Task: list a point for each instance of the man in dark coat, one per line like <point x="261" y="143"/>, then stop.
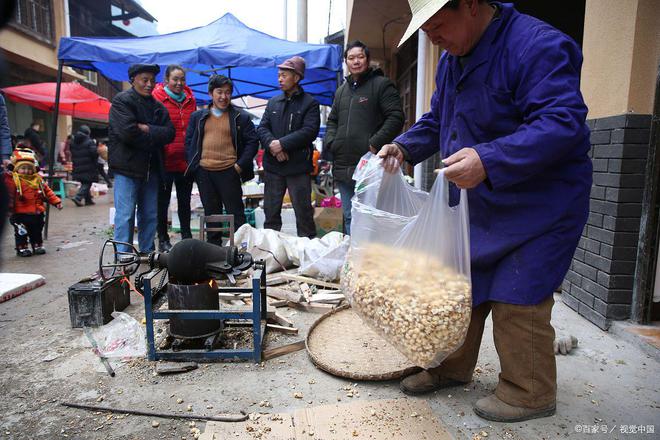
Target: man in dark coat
<point x="221" y="143"/>
<point x="508" y="117"/>
<point x="84" y="157"/>
<point x="366" y="114"/>
<point x="140" y="127"/>
<point x="287" y="131"/>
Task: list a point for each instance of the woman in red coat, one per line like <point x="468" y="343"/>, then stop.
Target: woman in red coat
<point x="179" y="101"/>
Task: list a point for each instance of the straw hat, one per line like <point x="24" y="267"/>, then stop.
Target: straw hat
<point x="421" y="10"/>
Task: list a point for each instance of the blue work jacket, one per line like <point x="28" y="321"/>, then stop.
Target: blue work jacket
<point x="517" y="102"/>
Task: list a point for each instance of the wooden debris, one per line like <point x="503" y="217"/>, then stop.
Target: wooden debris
<point x="283" y="294"/>
<point x="302" y="279"/>
<point x="312" y="308"/>
<point x="283" y="329"/>
<point x="281" y="351"/>
<point x="175" y="367"/>
<point x="327" y="298"/>
<point x="278" y="303"/>
<point x="279" y="319"/>
<point x="305" y="290"/>
<point x="275" y="281"/>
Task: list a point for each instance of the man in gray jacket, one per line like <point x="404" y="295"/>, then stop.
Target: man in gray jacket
<point x="366" y="114"/>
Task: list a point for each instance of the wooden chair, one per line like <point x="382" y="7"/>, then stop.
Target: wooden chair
<point x="226" y="220"/>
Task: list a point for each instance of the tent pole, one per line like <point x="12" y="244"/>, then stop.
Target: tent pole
<point x="53" y="138"/>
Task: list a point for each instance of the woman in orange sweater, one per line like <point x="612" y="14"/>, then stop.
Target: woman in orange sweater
<point x="27" y="196"/>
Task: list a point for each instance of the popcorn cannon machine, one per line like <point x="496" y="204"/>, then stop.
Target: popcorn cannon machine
<point x="189" y="273"/>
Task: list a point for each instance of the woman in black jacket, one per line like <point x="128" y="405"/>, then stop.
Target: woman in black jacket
<point x="84" y="157"/>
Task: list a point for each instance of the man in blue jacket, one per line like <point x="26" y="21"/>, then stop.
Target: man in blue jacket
<point x="509" y="120"/>
<point x="287" y="131"/>
<point x="221" y="143"/>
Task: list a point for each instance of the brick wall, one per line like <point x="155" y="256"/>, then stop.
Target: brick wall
<point x="600" y="281"/>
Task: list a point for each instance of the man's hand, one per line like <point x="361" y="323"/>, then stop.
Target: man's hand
<point x="238" y="168"/>
<point x="373" y="149"/>
<point x="282" y="156"/>
<point x="393" y="157"/>
<point x="59" y="206"/>
<point x="464" y="168"/>
<point x="143" y="127"/>
<point x="275" y="148"/>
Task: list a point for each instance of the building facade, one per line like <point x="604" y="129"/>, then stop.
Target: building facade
<point x="29" y="47"/>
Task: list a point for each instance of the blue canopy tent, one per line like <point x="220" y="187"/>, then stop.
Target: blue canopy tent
<point x="225" y="46"/>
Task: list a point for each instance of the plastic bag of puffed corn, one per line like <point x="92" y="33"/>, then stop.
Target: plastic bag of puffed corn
<point x="407" y="273"/>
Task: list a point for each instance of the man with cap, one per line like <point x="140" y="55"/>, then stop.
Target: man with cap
<point x="287" y="131"/>
<point x="139" y="128"/>
<point x="509" y="120"/>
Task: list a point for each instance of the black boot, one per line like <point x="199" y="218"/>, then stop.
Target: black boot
<point x="164" y="245"/>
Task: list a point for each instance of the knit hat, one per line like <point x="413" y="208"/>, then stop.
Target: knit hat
<point x="85" y="129"/>
<point x="24" y="156"/>
<point x="297" y="64"/>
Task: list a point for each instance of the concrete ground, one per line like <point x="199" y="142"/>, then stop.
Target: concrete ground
<point x="607" y="381"/>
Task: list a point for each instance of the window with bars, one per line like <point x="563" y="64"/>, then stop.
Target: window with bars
<point x="36" y="17"/>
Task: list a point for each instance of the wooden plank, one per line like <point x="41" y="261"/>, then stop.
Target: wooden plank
<point x="283" y="329"/>
<point x="283" y="294"/>
<point x="326" y="298"/>
<point x="281" y="351"/>
<point x="278" y="303"/>
<point x="175" y="367"/>
<point x="312" y="308"/>
<point x="279" y="319"/>
<point x="275" y="281"/>
<point x="302" y="279"/>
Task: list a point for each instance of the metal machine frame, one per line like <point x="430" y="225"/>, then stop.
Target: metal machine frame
<point x="257" y="316"/>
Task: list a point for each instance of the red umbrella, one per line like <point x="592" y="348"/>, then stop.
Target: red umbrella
<point x="75" y="100"/>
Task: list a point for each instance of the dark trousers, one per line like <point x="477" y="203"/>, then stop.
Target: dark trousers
<point x="85" y="193"/>
<point x="218" y="189"/>
<point x="300" y="191"/>
<point x="523" y="339"/>
<point x="103" y="174"/>
<point x="33" y="224"/>
<point x="183" y="190"/>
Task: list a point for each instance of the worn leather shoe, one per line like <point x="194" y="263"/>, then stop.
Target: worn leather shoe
<point x="78" y="202"/>
<point x="492" y="408"/>
<point x="39" y="250"/>
<point x="425" y="382"/>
